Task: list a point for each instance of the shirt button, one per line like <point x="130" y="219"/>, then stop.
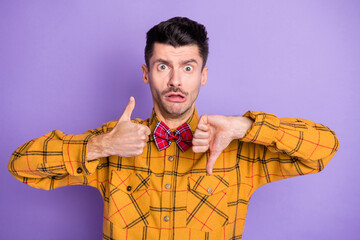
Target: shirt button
<point x="167" y="186"/>
<point x="210" y="190"/>
<point x="79" y="170"/>
<point x="129" y="188"/>
<point x="171" y="158"/>
<point x="166" y="218"/>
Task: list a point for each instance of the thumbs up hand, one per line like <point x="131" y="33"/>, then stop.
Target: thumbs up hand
<point x="126" y="139"/>
<point x="215" y="132"/>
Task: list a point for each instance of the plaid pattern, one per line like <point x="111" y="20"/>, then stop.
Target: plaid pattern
<point x="168" y="194"/>
<point x="163" y="136"/>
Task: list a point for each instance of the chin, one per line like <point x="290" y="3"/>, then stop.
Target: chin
<point x="177" y="111"/>
<point x="174" y="113"/>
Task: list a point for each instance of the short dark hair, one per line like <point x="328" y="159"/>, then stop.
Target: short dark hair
<point x="177" y="32"/>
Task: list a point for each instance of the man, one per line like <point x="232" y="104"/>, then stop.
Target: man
<point x="175" y="175"/>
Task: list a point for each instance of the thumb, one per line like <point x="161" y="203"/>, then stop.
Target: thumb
<point x="126" y="116"/>
<point x="211" y="161"/>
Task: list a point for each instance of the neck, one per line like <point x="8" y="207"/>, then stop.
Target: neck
<point x="173" y="121"/>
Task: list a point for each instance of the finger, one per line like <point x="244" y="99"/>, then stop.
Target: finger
<point x="144" y="144"/>
<point x="201" y="134"/>
<point x="198" y="149"/>
<point x="147" y="130"/>
<point x="211" y="162"/>
<point x="217" y="120"/>
<point x="126" y="116"/>
<point x="145" y="138"/>
<point x="203" y="123"/>
<point x="200" y="142"/>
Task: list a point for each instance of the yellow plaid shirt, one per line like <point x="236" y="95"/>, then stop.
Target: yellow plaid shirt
<point x="168" y="194"/>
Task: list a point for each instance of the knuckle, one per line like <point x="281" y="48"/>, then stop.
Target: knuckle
<point x="198" y="149"/>
<point x="139" y="126"/>
<point x="143" y="126"/>
<point x="196" y="134"/>
<point x="145" y="130"/>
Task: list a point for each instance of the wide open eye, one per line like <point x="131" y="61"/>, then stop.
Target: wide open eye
<point x="188" y="68"/>
<point x="162" y="67"/>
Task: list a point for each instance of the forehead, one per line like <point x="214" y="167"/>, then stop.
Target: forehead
<point x="175" y="54"/>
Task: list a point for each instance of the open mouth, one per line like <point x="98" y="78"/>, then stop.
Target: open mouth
<point x="175" y="97"/>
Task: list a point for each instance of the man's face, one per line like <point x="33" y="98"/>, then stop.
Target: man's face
<point x="175" y="77"/>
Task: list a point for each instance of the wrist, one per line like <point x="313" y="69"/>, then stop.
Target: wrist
<point x="240" y="126"/>
<point x="96" y="147"/>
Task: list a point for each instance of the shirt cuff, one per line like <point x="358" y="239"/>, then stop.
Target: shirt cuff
<point x="264" y="128"/>
<point x="75" y="148"/>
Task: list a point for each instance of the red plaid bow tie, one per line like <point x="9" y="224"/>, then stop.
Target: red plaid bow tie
<point x="163" y="136"/>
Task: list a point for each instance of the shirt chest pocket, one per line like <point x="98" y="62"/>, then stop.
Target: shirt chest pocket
<point x="207" y="202"/>
<point x="129" y="199"/>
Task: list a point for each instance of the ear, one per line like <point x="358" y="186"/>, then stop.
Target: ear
<point x="204" y="76"/>
<point x="145" y="74"/>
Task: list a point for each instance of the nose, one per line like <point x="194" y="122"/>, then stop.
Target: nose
<point x="175" y="78"/>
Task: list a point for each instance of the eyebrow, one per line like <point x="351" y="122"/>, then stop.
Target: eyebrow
<point x="189" y="61"/>
<point x="160" y="60"/>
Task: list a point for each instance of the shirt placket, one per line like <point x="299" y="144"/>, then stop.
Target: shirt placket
<point x="167" y="190"/>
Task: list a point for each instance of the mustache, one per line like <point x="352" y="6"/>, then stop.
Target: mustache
<point x="174" y="89"/>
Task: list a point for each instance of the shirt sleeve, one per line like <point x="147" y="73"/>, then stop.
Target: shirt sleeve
<point x="56" y="160"/>
<point x="279" y="148"/>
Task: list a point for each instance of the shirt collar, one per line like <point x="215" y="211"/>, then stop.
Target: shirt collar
<point x="192" y="120"/>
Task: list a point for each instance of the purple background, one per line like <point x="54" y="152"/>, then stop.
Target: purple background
<point x="72" y="65"/>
